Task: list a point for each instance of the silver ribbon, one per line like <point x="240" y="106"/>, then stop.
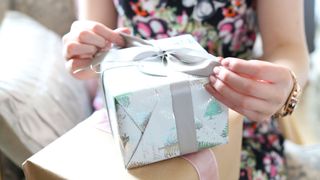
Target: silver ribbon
<point x="184" y="117"/>
<point x="186" y="60"/>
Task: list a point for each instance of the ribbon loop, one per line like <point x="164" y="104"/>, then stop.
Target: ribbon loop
<point x="186" y="60"/>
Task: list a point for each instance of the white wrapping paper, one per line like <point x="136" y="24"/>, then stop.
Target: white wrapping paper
<point x="156" y="111"/>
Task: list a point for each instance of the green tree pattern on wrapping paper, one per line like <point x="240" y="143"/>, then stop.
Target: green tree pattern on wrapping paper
<point x="213" y="109"/>
<point x="123" y="100"/>
<point x="170" y="149"/>
<point x="199" y="125"/>
<point x="124" y="140"/>
<point x="204" y="145"/>
<point x="225" y="132"/>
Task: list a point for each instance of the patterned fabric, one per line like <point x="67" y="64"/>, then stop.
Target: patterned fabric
<point x="262" y="155"/>
<point x="224" y="28"/>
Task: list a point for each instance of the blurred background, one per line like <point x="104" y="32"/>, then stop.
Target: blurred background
<point x="30" y="43"/>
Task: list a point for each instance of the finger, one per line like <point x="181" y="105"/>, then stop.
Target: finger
<point x="245" y="85"/>
<point x="107" y="47"/>
<point x="252" y="115"/>
<point x="83" y="56"/>
<point x="238" y="99"/>
<point x="74" y="49"/>
<point x="109" y="34"/>
<point x="74" y="65"/>
<point x="91" y="38"/>
<point x="256" y="69"/>
<point x="219" y="97"/>
<point x="123" y="30"/>
<point x="86" y="37"/>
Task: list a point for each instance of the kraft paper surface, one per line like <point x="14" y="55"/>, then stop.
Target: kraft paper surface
<point x="86" y="152"/>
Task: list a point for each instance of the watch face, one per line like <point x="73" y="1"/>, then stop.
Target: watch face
<point x="293" y="101"/>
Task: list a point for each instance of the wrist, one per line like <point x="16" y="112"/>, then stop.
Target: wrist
<point x="292" y="100"/>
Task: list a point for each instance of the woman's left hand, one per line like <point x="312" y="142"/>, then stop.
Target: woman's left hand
<point x="256" y="89"/>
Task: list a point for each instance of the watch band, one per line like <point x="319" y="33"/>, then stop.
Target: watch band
<point x="292" y="100"/>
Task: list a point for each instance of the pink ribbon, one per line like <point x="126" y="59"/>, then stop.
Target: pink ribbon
<point x="205" y="164"/>
<point x="100" y="120"/>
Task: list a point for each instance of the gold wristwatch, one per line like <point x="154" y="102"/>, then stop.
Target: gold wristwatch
<point x="291" y="103"/>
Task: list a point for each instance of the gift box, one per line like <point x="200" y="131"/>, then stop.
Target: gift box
<point x="156" y="100"/>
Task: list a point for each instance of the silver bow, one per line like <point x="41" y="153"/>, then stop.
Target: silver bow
<point x="152" y="60"/>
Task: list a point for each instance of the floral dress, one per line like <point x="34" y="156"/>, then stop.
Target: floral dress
<point x="225" y="28"/>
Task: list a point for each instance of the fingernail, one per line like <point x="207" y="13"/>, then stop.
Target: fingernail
<point x="225" y="62"/>
<point x="216" y="70"/>
<point x="212" y="79"/>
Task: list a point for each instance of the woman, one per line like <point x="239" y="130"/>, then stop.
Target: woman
<point x="258" y="89"/>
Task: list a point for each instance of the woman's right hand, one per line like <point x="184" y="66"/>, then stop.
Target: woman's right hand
<point x="84" y="41"/>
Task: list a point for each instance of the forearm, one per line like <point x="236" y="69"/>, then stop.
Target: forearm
<point x="102" y="11"/>
<point x="283" y="36"/>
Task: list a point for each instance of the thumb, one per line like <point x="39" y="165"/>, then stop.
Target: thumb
<point x="123" y="30"/>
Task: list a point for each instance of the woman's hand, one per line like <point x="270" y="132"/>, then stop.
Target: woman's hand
<point x="84" y="41"/>
<point x="255" y="89"/>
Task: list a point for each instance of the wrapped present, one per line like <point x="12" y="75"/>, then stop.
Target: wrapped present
<point x="156" y="100"/>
